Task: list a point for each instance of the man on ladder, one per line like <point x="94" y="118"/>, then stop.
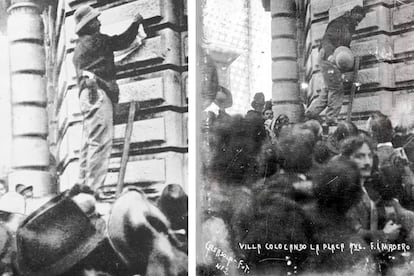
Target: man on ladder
<point x="334" y="56"/>
<point x="98" y="91"/>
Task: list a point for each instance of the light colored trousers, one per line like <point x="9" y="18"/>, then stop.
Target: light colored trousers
<point x="97" y="135"/>
<point x="331" y="96"/>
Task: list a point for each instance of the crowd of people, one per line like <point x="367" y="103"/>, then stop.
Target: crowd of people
<point x="68" y="235"/>
<point x="272" y="184"/>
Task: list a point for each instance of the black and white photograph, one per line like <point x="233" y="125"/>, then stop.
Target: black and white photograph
<point x="94" y="137"/>
<point x="206" y="137"/>
<point x="305" y="137"/>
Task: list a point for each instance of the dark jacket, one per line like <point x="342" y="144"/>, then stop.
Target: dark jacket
<point x="95" y="53"/>
<point x="330" y="227"/>
<point x="338" y="33"/>
<point x="274" y="215"/>
<point x="397" y="173"/>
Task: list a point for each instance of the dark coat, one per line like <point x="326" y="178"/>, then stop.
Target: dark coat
<point x="336" y="190"/>
<point x="276" y="217"/>
<point x="338" y="33"/>
<point x="394" y="170"/>
<point x="329" y="227"/>
<point x="95" y="53"/>
<point x="141" y="235"/>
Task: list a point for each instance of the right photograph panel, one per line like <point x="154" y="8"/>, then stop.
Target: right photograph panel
<point x="305" y="137"/>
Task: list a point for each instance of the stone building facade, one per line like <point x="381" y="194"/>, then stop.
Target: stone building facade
<point x="384" y="41"/>
<point x="155" y="76"/>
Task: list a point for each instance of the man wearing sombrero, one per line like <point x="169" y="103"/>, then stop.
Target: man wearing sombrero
<point x="98" y="91"/>
<point x="338" y="33"/>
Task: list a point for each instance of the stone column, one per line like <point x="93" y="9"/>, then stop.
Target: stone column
<point x="285" y="75"/>
<point x="30" y="151"/>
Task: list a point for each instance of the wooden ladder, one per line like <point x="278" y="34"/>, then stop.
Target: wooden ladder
<point x="133" y="106"/>
<point x="355" y="86"/>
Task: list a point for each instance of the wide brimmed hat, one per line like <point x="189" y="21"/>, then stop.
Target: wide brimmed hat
<point x="224" y="98"/>
<point x="344" y="58"/>
<point x="55" y="237"/>
<point x="258" y="99"/>
<point x="83" y="15"/>
<point x="139" y="233"/>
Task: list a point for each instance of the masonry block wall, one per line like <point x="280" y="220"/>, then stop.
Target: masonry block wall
<point x="384" y="41"/>
<point x="155" y="76"/>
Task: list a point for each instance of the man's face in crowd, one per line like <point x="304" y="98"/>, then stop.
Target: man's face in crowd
<point x="268" y="114"/>
<point x="259" y="107"/>
<point x="363" y="158"/>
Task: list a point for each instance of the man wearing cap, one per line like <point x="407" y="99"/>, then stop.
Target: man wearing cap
<point x="338" y="33"/>
<point x="98" y="91"/>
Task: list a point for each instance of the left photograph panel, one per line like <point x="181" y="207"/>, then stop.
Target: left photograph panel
<point x="94" y="140"/>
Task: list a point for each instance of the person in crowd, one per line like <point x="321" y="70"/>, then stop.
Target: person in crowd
<point x="258" y="105"/>
<point x="268" y="158"/>
<point x="173" y="202"/>
<point x="268" y="105"/>
<point x="364" y="216"/>
<point x="330" y="147"/>
<point x="296" y="149"/>
<point x="98" y="91"/>
<point x="223" y="100"/>
<point x="337" y="189"/>
<point x="62" y="239"/>
<point x="268" y="114"/>
<point x="403" y="137"/>
<point x="235" y="144"/>
<point x="142" y="236"/>
<point x="268" y="117"/>
<point x="389" y="209"/>
<point x="395" y="159"/>
<point x="315" y="127"/>
<point x="342" y="131"/>
<point x="261" y="223"/>
<point x="279" y="123"/>
<point x="317" y="130"/>
<point x="400" y="135"/>
<point x="253" y="185"/>
<point x="338" y="33"/>
<point x="279" y="198"/>
<point x="232" y="170"/>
